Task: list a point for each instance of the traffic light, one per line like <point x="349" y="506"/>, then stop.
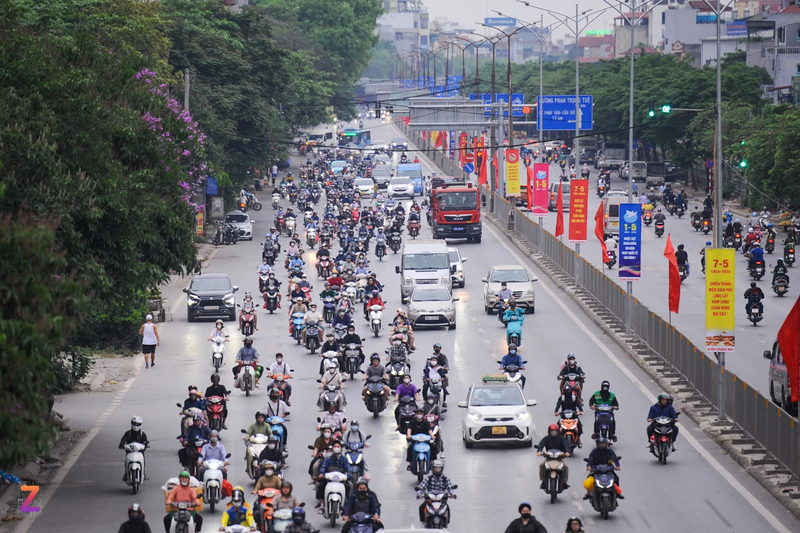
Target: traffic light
<point x="666" y="108"/>
<point x="652" y="112"/>
<point x="743" y="163"/>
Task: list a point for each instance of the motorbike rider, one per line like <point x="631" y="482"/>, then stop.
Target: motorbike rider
<point x="435" y="482"/>
<point x="375" y="369"/>
<point x="342" y="317"/>
<point x="280" y="367"/>
<point x="239" y="513"/>
<point x="603" y="455"/>
<point x="333" y="418"/>
<point x="605" y="397"/>
<point x="182" y="492"/>
<point x="213" y="449"/>
<point x="215" y="389"/>
<point x="780" y="270"/>
<point x="277" y="407"/>
<point x="268" y="479"/>
<point x="304" y="283"/>
<point x="324" y="442"/>
<point x="135" y="434"/>
<point x="328" y="292"/>
<point x="286" y="500"/>
<point x="402" y="323"/>
<point x="574" y="525"/>
<point x="611" y="246"/>
<point x="297" y="307"/>
<point x="406" y="388"/>
<point x="313" y="316"/>
<point x="737" y="226"/>
<point x="330" y="345"/>
<point x="322" y="253"/>
<point x="566" y="403"/>
<point x="362" y="500"/>
<point x="352" y="338"/>
<point x="247" y="355"/>
<point x="513" y="311"/>
<point x="682" y="257"/>
<point x="273" y="454"/>
<point x="292" y="252"/>
<point x="513" y="358"/>
<point x="431" y="369"/>
<point x="374" y="299"/>
<point x="135" y="522"/>
<point x="248" y="306"/>
<point x="504" y="293"/>
<point x="659" y="217"/>
<point x="572" y="367"/>
<point x="299" y="523"/>
<point x="663" y="407"/>
<point x="272" y="283"/>
<point x="756" y="253"/>
<point x="219" y="332"/>
<point x="372" y="285"/>
<point x="335" y="463"/>
<point x="419" y="426"/>
<point x="553" y="441"/>
<point x="526" y="523"/>
<point x="332" y="377"/>
<point x="754" y="295"/>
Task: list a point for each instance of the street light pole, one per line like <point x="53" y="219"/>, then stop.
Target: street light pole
<point x="493" y="127"/>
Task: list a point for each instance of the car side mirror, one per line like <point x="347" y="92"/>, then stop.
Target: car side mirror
<point x="462" y="405"/>
<point x="235" y="288"/>
<point x="767" y="354"/>
<point x="484" y="280"/>
<point x="531" y="403"/>
<point x="456" y="299"/>
<point x="185" y="289"/>
<point x="453" y="269"/>
<point x="463" y="259"/>
<point x="397" y="269"/>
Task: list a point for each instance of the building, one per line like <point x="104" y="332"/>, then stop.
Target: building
<point x="773" y="42"/>
<point x="692" y="22"/>
<point x="596" y="47"/>
<point x="406" y="24"/>
<point x="623" y="29"/>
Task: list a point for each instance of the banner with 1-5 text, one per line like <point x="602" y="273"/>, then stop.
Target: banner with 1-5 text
<point x="630" y="242"/>
<point x="541" y="184"/>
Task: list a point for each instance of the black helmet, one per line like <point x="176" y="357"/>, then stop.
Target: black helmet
<point x="663" y="396"/>
<point x="752" y="284"/>
<point x="272" y="439"/>
<point x="287" y="484"/>
<point x="602" y="442"/>
<point x="135" y="512"/>
<point x="374" y="356"/>
<point x="274" y="393"/>
<point x="248" y="341"/>
<point x="259" y="413"/>
<point x="605" y="385"/>
<point x="214" y="378"/>
<point x="680" y="247"/>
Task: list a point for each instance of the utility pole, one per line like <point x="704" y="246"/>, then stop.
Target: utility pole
<point x="186" y="89"/>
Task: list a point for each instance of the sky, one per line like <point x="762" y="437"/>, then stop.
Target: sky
<point x="468" y="12"/>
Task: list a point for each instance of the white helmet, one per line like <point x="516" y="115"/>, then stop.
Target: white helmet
<point x="136" y="423"/>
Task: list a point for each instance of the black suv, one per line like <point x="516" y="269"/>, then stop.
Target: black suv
<point x="211" y="295"/>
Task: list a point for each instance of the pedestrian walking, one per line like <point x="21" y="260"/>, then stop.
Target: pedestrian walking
<point x="150" y="340"/>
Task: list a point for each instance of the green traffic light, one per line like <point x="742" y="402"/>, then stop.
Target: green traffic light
<point x="743" y="164"/>
<point x="665" y="109"/>
<point x="651" y="113"/>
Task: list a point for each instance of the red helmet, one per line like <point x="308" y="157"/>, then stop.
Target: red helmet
<point x="552" y="427"/>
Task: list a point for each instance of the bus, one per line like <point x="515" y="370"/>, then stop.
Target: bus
<point x="360" y="137"/>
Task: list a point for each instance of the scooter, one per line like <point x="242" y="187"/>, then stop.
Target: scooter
<point x="605" y="490"/>
<point x="188" y="416"/>
<point x="134" y="465"/>
<point x="271" y="300"/>
<point x="554" y="468"/>
<point x="281" y="519"/>
<point x="514" y="330"/>
<point x="297" y="326"/>
<point x="659" y="229"/>
<point x="513" y="373"/>
<point x="697" y="223"/>
<point x="263" y="508"/>
<point x="413" y="229"/>
<point x="279" y="383"/>
<point x="328" y="308"/>
<point x="376" y="319"/>
<point x="335" y="496"/>
<point x="325" y="268"/>
<point x="737" y="240"/>
<point x="339" y="331"/>
<point x="331" y="394"/>
<point x="212" y="481"/>
<point x="182" y="518"/>
<point x="362" y="523"/>
<point x="217" y="354"/>
<point x="374" y="397"/>
<point x="758" y="270"/>
<point x="352" y="363"/>
<point x="788" y="256"/>
<point x="568" y="427"/>
<point x="647" y="218"/>
<point x="406" y="410"/>
<point x="254" y="445"/>
<point x="312" y="336"/>
<point x="290" y="224"/>
<point x="437" y="512"/>
<point x="780" y="286"/>
<point x="248" y="321"/>
<point x="397" y="368"/>
<point x="246" y="381"/>
<point x="355" y="457"/>
<point x="435" y="387"/>
<point x="421" y="455"/>
<point x="276" y="424"/>
<point x="755" y="315"/>
<point x="604" y="419"/>
<point x="683" y="272"/>
<point x="611" y="260"/>
<point x="215" y="411"/>
<point x="268" y="256"/>
<point x="311" y="237"/>
<point x="706" y="228"/>
<point x="662" y="438"/>
<point x="380" y="250"/>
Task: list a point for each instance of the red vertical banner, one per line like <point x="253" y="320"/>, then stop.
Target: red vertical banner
<point x="578" y="210"/>
<point x="529" y="188"/>
<point x="462" y="149"/>
<point x="560" y="211"/>
<point x="541" y="186"/>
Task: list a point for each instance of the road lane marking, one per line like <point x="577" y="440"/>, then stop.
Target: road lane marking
<point x="716" y="465"/>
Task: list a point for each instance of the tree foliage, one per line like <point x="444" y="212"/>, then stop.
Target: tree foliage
<point x="382" y="61"/>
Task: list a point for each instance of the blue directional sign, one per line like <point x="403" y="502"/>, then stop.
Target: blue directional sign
<point x="487" y="99"/>
<point x="469" y="168"/>
<point x="517" y="102"/>
<point x="500" y="21"/>
<point x="558" y="112"/>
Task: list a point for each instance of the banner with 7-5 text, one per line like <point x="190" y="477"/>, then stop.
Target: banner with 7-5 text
<point x="720" y="300"/>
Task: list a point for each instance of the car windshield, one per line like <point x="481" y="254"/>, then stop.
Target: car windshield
<point x="431" y="295"/>
<point x="426" y="262"/>
<point x="410" y="172"/>
<point x="364" y="182"/>
<point x="510" y="276"/>
<point x="458" y="201"/>
<point x="401" y="181"/>
<point x="210" y="284"/>
<point x="381" y="172"/>
<point x="399" y="141"/>
<point x="453" y="256"/>
<point x="236" y="218"/>
<point x="488" y="396"/>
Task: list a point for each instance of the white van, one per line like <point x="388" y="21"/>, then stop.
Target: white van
<point x="613" y="198"/>
<point x="424" y="263"/>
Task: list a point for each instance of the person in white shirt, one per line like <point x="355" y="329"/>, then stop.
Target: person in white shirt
<point x="248" y="304"/>
<point x="219" y="332"/>
<point x="150" y="340"/>
<point x="280" y="367"/>
<point x="312" y="315"/>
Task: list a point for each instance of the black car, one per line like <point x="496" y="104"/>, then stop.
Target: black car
<point x="211" y="295"/>
<point x="588" y="156"/>
<point x="399" y="144"/>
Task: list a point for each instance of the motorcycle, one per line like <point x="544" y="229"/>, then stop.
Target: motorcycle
<point x="611" y="258"/>
<point x="254" y="204"/>
<point x="421" y="455"/>
<point x="769" y="247"/>
<point x="335" y="496"/>
<point x="134" y="465"/>
<point x="514" y="330"/>
<point x="683" y="272"/>
<point x="647" y="218"/>
<point x="276" y="424"/>
<point x="605" y="490"/>
<point x="601" y="191"/>
<point x="331" y="394"/>
<point x="604" y="419"/>
<point x="355" y="457"/>
<point x="729" y="241"/>
<point x="554" y="467"/>
<point x="182" y="518"/>
<point x="215" y="411"/>
<point x="267" y="256"/>
<point x="254" y="445"/>
<point x="737" y="240"/>
<point x="413" y="229"/>
<point x="437" y="512"/>
<point x="396" y="369"/>
<point x="659" y="229"/>
<point x="271" y="300"/>
<point x="325" y="268"/>
<point x="758" y="270"/>
<point x="406" y="411"/>
<point x="394" y="242"/>
<point x="435" y="387"/>
<point x="311" y="237"/>
<point x="513" y="373"/>
<point x="362" y="523"/>
<point x="246" y="381"/>
<point x="376" y="319"/>
<point x="755" y="316"/>
<point x="568" y="427"/>
<point x="502" y="305"/>
<point x="573" y="383"/>
<point x="217" y="354"/>
<point x="680" y="211"/>
<point x="697" y="224"/>
<point x="706" y="226"/>
<point x="188" y="416"/>
<point x="279" y="383"/>
<point x="248" y="321"/>
<point x="312" y="336"/>
<point x="281" y="519"/>
<point x="290" y="224"/>
<point x="297" y="326"/>
<point x="212" y="481"/>
<point x="788" y="256"/>
<point x="339" y="331"/>
<point x="352" y="361"/>
<point x="662" y="438"/>
<point x="276" y="201"/>
<point x="328" y="308"/>
<point x="380" y="250"/>
<point x="780" y="285"/>
<point x="264" y="509"/>
<point x="374" y="397"/>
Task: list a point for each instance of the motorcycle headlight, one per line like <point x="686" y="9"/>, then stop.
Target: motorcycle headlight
<point x="523" y="415"/>
<point x="229" y="300"/>
<point x="474" y="416"/>
<point x="192" y="300"/>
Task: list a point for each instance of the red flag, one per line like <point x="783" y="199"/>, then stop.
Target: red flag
<point x="439" y="139"/>
<point x="483" y="178"/>
<point x="599" y="231"/>
<point x="789" y="342"/>
<point x="530" y="188"/>
<point x="674" y="277"/>
<point x="560" y="213"/>
<point x="496" y="170"/>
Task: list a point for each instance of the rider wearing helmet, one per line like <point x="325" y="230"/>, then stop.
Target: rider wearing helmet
<point x="286" y="500"/>
<point x="513" y="358"/>
<point x="572" y="367"/>
<point x="248" y="306"/>
<point x="682" y="257"/>
<point x="299" y="524"/>
<point x="219" y="390"/>
<point x="135" y="523"/>
<point x="605" y="397"/>
<point x="553" y="441"/>
<point x="663" y="407"/>
<point x="247" y="355"/>
<point x="435" y="482"/>
<point x="219" y="332"/>
<point x="375" y="369"/>
<point x="259" y="427"/>
<point x="526" y="521"/>
<point x="135" y="434"/>
<point x="275" y="406"/>
<point x="602" y="455"/>
<point x="268" y="478"/>
<point x="272" y="452"/>
<point x="182" y="492"/>
<point x="239" y="512"/>
<point x="362" y="500"/>
<point x="754" y="295"/>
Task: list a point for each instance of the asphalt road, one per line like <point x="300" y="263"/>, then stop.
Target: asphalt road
<point x="699" y="490"/>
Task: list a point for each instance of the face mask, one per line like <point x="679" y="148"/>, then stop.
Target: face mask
<point x="354" y="427"/>
<point x="237" y="504"/>
<point x="279" y="360"/>
<point x="185" y="483"/>
<point x="512" y="352"/>
<point x="418" y="417"/>
<point x="554" y="433"/>
<point x="332" y="370"/>
<point x="362" y="493"/>
<point x="406" y="381"/>
<point x="271" y="446"/>
<point x="327" y="434"/>
<point x="214" y="439"/>
<point x="434" y="363"/>
<point x="269" y="472"/>
<point x="337" y="449"/>
<point x="430" y="401"/>
<point x="605" y="389"/>
<point x="526" y="515"/>
<point x="219" y="326"/>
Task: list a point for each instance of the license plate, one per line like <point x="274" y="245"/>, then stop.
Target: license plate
<point x="458" y="229"/>
<point x="211" y="307"/>
<point x="499" y="431"/>
<point x="615" y="223"/>
<point x="431" y="318"/>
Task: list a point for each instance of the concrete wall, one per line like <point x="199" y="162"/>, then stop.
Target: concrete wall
<point x="622" y="38"/>
<point x="681" y="25"/>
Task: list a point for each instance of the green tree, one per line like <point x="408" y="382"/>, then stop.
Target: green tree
<point x="382" y="61"/>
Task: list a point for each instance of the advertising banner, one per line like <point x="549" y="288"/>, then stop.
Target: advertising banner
<point x="512" y="172"/>
<point x="578" y="210"/>
<point x="541" y="186"/>
<point x="720" y="300"/>
<point x="630" y="242"/>
<point x="462" y="152"/>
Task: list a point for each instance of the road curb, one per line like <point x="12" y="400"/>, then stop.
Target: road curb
<point x="772" y="479"/>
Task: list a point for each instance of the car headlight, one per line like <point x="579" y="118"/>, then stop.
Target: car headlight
<point x="529" y="292"/>
<point x="523" y="415"/>
<point x="474" y="416"/>
<point x="449" y="309"/>
<point x="192" y="300"/>
<point x="445" y="280"/>
<point x="409" y="281"/>
<point x="229" y="300"/>
<point x="412" y="309"/>
<point x="460" y="274"/>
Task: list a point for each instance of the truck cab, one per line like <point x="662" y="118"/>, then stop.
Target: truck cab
<point x="780" y="392"/>
<point x="456" y="212"/>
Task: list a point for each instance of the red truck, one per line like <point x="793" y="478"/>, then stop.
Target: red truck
<point x="456" y="212"/>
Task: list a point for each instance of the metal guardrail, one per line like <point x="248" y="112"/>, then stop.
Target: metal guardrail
<point x="765" y="423"/>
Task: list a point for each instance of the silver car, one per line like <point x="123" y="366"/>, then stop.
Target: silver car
<point x="432" y="305"/>
<point x="400" y="186"/>
<point x="381" y="175"/>
<point x="496" y="411"/>
<point x="519" y="281"/>
<point x="242" y="222"/>
<point x="459" y="278"/>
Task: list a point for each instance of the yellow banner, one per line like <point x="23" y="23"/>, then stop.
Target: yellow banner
<point x="720" y="300"/>
<point x="512" y="172"/>
<point x="200" y="217"/>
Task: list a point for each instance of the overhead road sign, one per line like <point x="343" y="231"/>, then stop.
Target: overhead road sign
<point x="500" y="21"/>
<point x="558" y="112"/>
